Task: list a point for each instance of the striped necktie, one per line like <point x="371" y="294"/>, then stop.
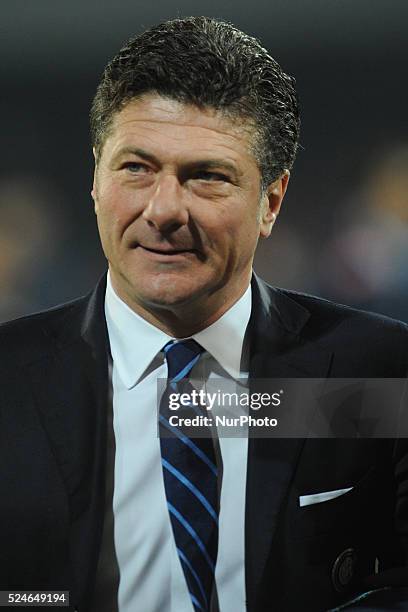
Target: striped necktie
<point x="190" y="480"/>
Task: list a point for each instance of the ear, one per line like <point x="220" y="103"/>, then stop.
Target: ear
<point x="94" y="190"/>
<point x="271" y="203"/>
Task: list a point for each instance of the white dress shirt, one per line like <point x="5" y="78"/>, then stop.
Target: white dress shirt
<point x="151" y="576"/>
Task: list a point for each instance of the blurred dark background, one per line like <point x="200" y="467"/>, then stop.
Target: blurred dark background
<point x="343" y="231"/>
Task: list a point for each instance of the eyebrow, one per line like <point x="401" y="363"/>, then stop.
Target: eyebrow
<point x="139" y="152"/>
<point x="199" y="164"/>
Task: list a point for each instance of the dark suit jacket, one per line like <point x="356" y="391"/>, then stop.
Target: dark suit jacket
<point x="53" y="415"/>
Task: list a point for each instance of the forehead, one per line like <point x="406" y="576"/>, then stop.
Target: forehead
<point x="169" y="126"/>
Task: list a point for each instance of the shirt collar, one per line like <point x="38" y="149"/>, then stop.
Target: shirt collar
<point x="135" y="343"/>
<point x="224" y="339"/>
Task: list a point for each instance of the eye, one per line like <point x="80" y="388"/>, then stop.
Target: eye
<point x="135" y="167"/>
<point x="204" y="175"/>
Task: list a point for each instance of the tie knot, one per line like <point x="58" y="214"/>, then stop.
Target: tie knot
<point x="181" y="357"/>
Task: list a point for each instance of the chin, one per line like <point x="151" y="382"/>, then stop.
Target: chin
<point x="163" y="289"/>
<point x="167" y="299"/>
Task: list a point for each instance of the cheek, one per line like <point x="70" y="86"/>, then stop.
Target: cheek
<point x="246" y="238"/>
<point x="116" y="208"/>
<point x="110" y="197"/>
<point x="231" y="229"/>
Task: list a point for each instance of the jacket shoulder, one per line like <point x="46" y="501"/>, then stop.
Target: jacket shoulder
<point x="29" y="335"/>
<point x="362" y="341"/>
<point x="332" y="312"/>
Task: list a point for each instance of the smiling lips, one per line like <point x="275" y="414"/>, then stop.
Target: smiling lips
<point x="166" y="252"/>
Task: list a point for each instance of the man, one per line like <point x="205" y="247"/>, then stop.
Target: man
<point x="195" y="129"/>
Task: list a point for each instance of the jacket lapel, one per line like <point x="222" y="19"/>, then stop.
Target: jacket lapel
<point x="277" y="350"/>
<point x="73" y="411"/>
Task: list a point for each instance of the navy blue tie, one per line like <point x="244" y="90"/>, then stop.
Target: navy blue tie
<point x="190" y="479"/>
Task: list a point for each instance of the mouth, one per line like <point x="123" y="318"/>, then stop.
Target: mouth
<point x="167" y="252"/>
<point x="168" y="255"/>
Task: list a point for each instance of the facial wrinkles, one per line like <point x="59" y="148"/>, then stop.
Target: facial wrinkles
<point x="160" y="143"/>
<point x="148" y="134"/>
<point x="242" y="181"/>
<point x="190" y="236"/>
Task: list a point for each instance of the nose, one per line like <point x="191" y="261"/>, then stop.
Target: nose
<point x="166" y="209"/>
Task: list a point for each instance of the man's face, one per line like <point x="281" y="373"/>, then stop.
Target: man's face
<point x="179" y="208"/>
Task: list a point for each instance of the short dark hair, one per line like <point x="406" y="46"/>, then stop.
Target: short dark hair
<point x="206" y="63"/>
